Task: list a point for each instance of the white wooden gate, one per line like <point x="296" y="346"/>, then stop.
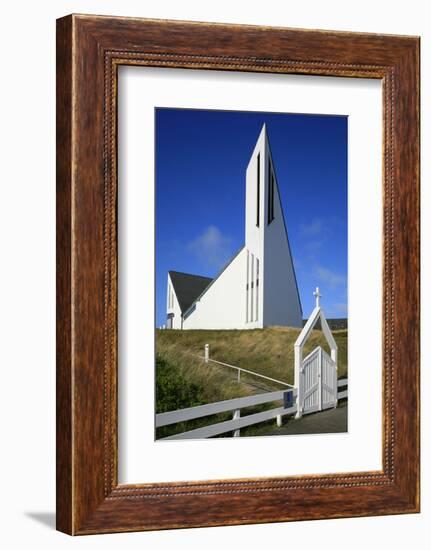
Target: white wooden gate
<point x="311" y="382"/>
<point x="328" y="381"/>
<point x="319" y="379"/>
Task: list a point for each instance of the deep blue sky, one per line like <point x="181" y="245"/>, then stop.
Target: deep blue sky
<point x="201" y="158"/>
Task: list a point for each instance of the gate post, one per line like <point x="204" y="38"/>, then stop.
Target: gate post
<point x="299" y="381"/>
<point x="334" y="357"/>
<point x="236" y="416"/>
<point x="319" y="377"/>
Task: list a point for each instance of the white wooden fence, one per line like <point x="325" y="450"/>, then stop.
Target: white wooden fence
<point x="288" y="408"/>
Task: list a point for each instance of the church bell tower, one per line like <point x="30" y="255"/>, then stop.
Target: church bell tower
<point x="272" y="296"/>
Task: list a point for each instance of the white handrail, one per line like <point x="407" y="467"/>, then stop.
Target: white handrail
<point x="240" y="369"/>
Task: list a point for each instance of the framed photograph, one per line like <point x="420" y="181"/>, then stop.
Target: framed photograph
<point x="226" y="337"/>
<point x="237" y="274"/>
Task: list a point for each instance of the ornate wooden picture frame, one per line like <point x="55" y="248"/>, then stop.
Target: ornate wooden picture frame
<point x="89" y="51"/>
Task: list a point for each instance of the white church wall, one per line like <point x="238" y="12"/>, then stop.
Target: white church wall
<point x="223" y="305"/>
<point x="280" y="294"/>
<point x="173" y="306"/>
<point x="253" y="290"/>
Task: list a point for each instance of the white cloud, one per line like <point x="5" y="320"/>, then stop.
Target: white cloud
<point x="314" y="247"/>
<point x="340" y="308"/>
<point x="329" y="277"/>
<point x="211" y="248"/>
<point x="314" y="236"/>
<point x="315" y="227"/>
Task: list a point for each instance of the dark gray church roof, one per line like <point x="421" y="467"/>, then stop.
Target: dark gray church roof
<point x="188" y="287"/>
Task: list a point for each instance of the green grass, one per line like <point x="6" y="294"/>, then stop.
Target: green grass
<point x="267" y="351"/>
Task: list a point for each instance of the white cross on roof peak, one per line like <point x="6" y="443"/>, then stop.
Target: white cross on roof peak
<point x="317" y="295"/>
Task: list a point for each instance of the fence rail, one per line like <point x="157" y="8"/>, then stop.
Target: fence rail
<point x="192" y="413"/>
<point x="234" y="424"/>
<point x="341" y="383"/>
<point x="237" y="422"/>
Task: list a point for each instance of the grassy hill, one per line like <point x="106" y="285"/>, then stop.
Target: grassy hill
<point x="267" y="351"/>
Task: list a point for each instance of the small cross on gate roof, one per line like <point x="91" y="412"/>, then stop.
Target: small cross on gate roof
<point x="317" y="294"/>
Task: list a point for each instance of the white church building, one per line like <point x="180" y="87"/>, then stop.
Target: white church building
<point x="258" y="287"/>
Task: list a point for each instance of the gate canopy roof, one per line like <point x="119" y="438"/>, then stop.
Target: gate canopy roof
<point x="316" y="314"/>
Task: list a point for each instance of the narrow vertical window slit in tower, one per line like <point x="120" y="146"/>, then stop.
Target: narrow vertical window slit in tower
<point x="257" y="289"/>
<point x="251" y="287"/>
<point x="270" y="193"/>
<point x="246" y="288"/>
<point x="258" y="192"/>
